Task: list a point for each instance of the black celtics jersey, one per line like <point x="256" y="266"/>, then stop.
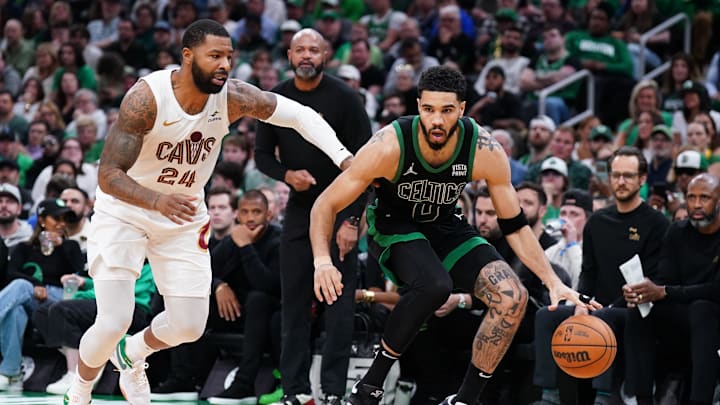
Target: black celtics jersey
<point x="420" y="192"/>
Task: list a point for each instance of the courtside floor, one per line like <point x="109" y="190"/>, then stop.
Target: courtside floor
<point x="34" y="398"/>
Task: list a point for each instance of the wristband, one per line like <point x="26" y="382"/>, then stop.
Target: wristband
<point x="352" y="221"/>
<point x="368" y="296"/>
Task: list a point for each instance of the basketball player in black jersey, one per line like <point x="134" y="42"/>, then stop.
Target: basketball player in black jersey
<point x="419" y="165"/>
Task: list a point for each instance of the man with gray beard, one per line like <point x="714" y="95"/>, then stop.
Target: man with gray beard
<point x="686" y="312"/>
<point x="308" y="172"/>
<point x="12" y="230"/>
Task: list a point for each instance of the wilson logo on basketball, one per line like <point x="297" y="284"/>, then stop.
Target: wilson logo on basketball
<point x="572" y="357"/>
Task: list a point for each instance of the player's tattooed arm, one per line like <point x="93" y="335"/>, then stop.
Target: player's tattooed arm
<point x="122" y="147"/>
<point x="381" y="134"/>
<point x="486" y="141"/>
<point x="247" y="100"/>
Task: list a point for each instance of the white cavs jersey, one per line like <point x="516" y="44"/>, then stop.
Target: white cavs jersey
<point x="179" y="154"/>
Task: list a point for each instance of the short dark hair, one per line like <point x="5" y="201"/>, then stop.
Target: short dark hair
<point x="81" y="191"/>
<point x="445" y="79"/>
<point x="529" y="185"/>
<point x="197" y="31"/>
<point x="631" y="151"/>
<point x="232" y="171"/>
<point x="255" y="194"/>
<point x="220" y="190"/>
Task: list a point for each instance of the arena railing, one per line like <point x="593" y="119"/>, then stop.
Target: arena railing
<point x="590" y="93"/>
<point x="663" y="26"/>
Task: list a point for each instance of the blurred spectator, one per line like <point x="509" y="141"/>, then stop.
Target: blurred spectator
<point x="497" y="107"/>
<point x="10" y="174"/>
<point x="684" y="323"/>
<point x="518" y="170"/>
<point x="254" y="248"/>
<point x="72" y="60"/>
<point x="87" y="134"/>
<point x="37" y="131"/>
<point x="8" y="119"/>
<point x="553" y="65"/>
<point x="682" y="68"/>
<point x="695" y="101"/>
<point x="645" y="97"/>
<point x="582" y="135"/>
<point x="50" y="113"/>
<point x="250" y="71"/>
<point x="412" y="60"/>
<point x="296" y="11"/>
<point x="19" y="52"/>
<point x="383" y="23"/>
<point x="700" y="139"/>
<point x="64" y="97"/>
<point x="28" y="102"/>
<point x="334" y="29"/>
<point x="162" y="36"/>
<point x="372" y="56"/>
<point x="394" y="103"/>
<point x="688" y="164"/>
<point x="601" y="146"/>
<point x="77" y="221"/>
<point x="278" y="54"/>
<point x="575" y="209"/>
<point x="268" y="78"/>
<point x="165" y="58"/>
<point x="541" y="132"/>
<point x="59" y="33"/>
<point x="228" y="175"/>
<point x="221" y="205"/>
<point x="512" y="63"/>
<point x="145" y="17"/>
<point x="640" y="17"/>
<point x="409" y="29"/>
<point x="35" y="23"/>
<point x="561" y="146"/>
<point x="424" y="13"/>
<point x="131" y="50"/>
<point x="80" y="37"/>
<point x="269" y="28"/>
<point x="554" y="13"/>
<point x="218" y="11"/>
<point x="608" y="59"/>
<point x="645" y="122"/>
<point x="9" y="77"/>
<point x="351" y="75"/>
<point x="185" y="13"/>
<point x="554" y="181"/>
<point x="450" y="42"/>
<point x="111" y="79"/>
<point x="34" y="284"/>
<point x="104" y="30"/>
<point x="71" y="150"/>
<point x="86" y="103"/>
<point x="46" y="62"/>
<point x="12" y="229"/>
<point x="372" y="77"/>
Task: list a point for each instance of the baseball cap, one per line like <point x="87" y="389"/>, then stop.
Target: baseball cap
<point x="54" y="207"/>
<point x="9" y="163"/>
<point x="216" y="4"/>
<point x="329" y="15"/>
<point x="348" y="72"/>
<point x="162" y="26"/>
<point x="690" y="159"/>
<point x="691" y="86"/>
<point x="544" y="121"/>
<point x="555" y="164"/>
<point x="290" y="25"/>
<point x="578" y="198"/>
<point x="333" y="3"/>
<point x="601" y="131"/>
<point x="662" y="129"/>
<point x="506" y="14"/>
<point x="295" y="3"/>
<point x="11" y="190"/>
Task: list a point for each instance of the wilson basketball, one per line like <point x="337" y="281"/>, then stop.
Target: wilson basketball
<point x="584" y="346"/>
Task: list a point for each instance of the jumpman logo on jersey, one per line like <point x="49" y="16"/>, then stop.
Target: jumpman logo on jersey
<point x="410" y="170"/>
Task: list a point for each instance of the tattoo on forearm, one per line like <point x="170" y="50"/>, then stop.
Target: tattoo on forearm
<point x="499" y="288"/>
<point x="488" y="142"/>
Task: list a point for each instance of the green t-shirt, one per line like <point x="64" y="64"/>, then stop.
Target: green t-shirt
<point x="144" y="289"/>
<point x="544" y="66"/>
<point x="608" y="50"/>
<point x="633" y="135"/>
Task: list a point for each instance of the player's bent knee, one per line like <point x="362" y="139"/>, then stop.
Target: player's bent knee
<point x="438" y="291"/>
<point x="113" y="327"/>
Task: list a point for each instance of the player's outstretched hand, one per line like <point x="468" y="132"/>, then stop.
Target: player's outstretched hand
<point x="178" y="208"/>
<point x="562" y="292"/>
<point x="328" y="283"/>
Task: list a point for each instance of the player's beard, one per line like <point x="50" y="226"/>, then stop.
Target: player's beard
<point x="203" y="81"/>
<point x="435" y="145"/>
<point x="308" y="72"/>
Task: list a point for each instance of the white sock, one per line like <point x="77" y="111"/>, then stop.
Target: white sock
<point x="82" y="384"/>
<point x="136" y="348"/>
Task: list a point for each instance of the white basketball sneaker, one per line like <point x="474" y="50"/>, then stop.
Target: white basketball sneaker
<point x="133" y="380"/>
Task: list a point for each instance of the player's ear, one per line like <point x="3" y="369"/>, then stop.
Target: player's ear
<point x="462" y="108"/>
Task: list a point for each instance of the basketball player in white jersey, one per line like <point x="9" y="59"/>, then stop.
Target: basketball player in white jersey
<point x="157" y="158"/>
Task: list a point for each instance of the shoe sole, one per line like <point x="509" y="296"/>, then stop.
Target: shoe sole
<point x="232" y="401"/>
<point x="175" y="396"/>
